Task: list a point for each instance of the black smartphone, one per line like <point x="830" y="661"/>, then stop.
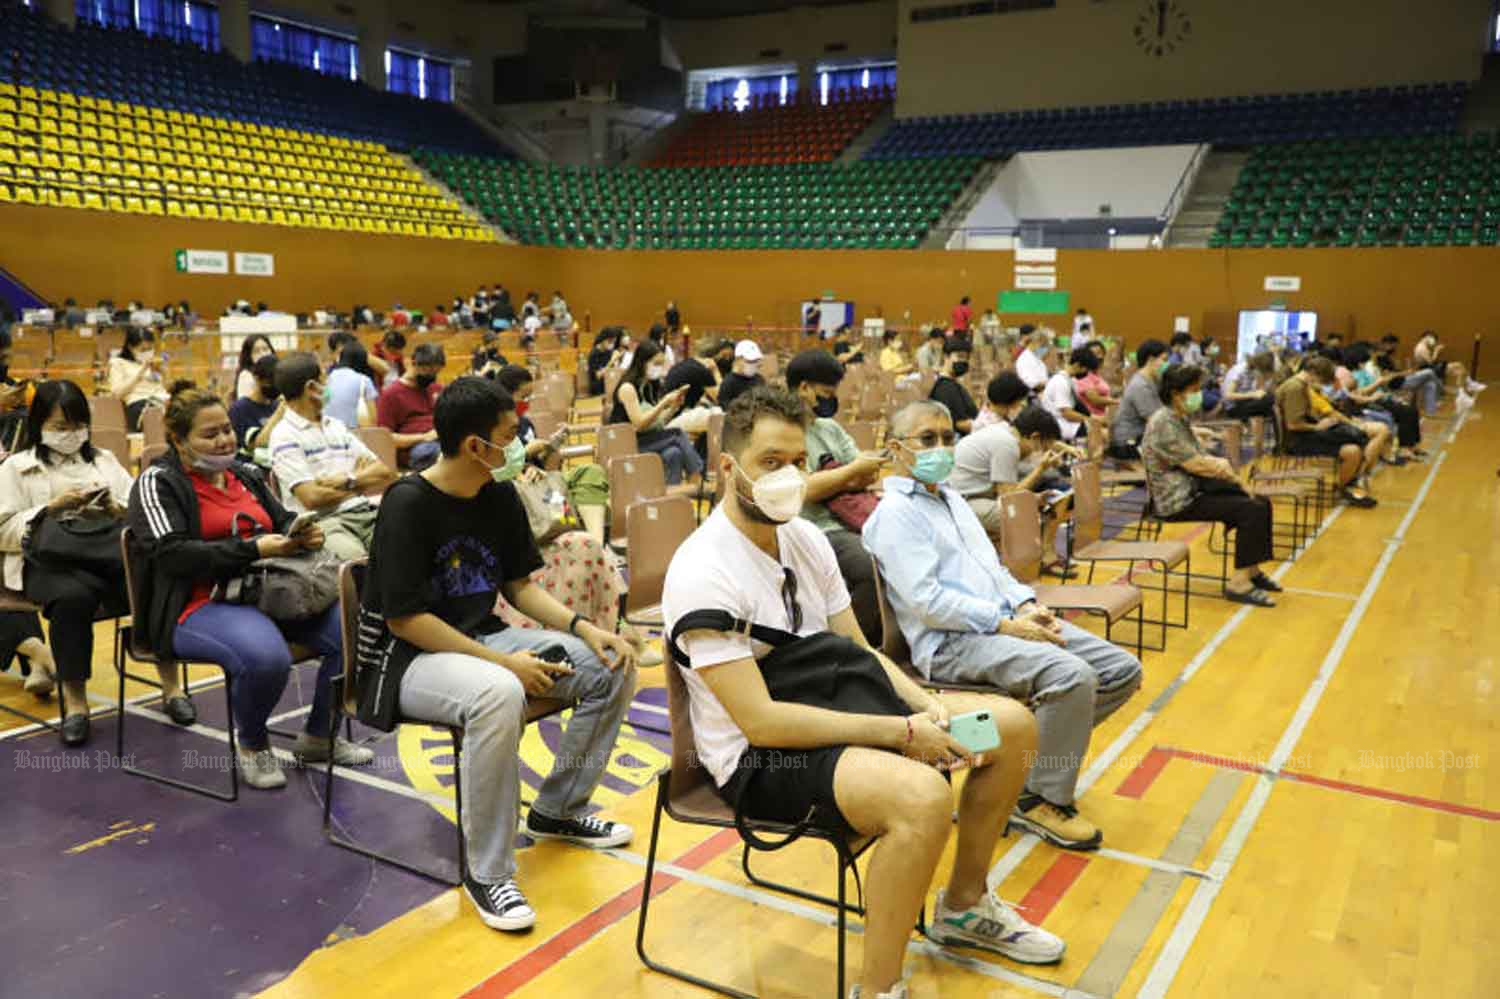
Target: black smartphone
<point x="554" y="654"/>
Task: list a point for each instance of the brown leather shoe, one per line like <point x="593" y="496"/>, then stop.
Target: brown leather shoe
<point x="1060" y="825"/>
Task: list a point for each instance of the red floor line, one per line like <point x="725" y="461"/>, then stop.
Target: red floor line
<point x="1364" y="790"/>
<point x="536" y="961"/>
<point x="1144" y="775"/>
<point x="1046" y="893"/>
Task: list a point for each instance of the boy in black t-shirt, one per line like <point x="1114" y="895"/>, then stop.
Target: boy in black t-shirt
<point x="447" y="542"/>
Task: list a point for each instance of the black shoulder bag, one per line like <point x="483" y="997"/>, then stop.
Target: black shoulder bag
<point x="822" y="670"/>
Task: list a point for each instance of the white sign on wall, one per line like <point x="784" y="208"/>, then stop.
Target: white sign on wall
<point x="254" y="264"/>
<point x="1036" y="255"/>
<point x="1283" y="283"/>
<point x="1036" y="282"/>
<point x="203" y="261"/>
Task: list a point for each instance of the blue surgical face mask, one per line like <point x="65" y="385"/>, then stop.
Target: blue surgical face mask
<point x="932" y="465"/>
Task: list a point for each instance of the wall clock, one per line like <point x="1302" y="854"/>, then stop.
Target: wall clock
<point x="1162" y="27"/>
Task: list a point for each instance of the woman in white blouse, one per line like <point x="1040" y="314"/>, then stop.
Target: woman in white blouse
<point x="135" y="376"/>
<point x="61" y="472"/>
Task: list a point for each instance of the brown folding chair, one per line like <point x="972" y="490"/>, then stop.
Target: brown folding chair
<point x="866" y="434"/>
<point x="150" y="453"/>
<point x="615" y="441"/>
<point x="153" y="425"/>
<point x="346" y="704"/>
<point x="382" y="442"/>
<point x="106" y="411"/>
<point x="632" y="478"/>
<point x="1085" y="544"/>
<point x="709" y="485"/>
<point x="114" y="440"/>
<point x="686" y="794"/>
<point x="1299" y="492"/>
<point x="654" y="529"/>
<point x="1021" y="542"/>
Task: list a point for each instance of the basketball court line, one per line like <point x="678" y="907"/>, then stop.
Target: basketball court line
<point x="1174" y="952"/>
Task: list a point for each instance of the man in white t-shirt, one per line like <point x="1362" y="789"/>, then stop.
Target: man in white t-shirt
<point x="1030" y="363"/>
<point x="1058" y="397"/>
<point x="873" y="774"/>
<point x="1083" y="328"/>
<point x="987" y="464"/>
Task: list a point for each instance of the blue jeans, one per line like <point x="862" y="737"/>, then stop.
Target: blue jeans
<point x="1426" y="386"/>
<point x="422" y="455"/>
<point x="253" y="651"/>
<point x="678" y="456"/>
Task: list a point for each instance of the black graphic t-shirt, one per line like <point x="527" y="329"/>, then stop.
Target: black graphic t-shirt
<point x="448" y="556"/>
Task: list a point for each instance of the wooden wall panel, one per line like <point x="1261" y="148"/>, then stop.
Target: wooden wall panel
<point x="63" y="252"/>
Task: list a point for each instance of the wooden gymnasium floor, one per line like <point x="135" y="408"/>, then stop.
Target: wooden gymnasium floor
<point x="1300" y="802"/>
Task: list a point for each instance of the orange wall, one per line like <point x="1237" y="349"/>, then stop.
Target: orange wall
<point x="62" y="252"/>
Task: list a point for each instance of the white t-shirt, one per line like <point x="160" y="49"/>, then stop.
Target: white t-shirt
<point x="1058" y="396"/>
<point x="1030" y="369"/>
<point x="719" y="568"/>
<point x="1082" y="336"/>
<point x="532" y="324"/>
<point x="984" y="458"/>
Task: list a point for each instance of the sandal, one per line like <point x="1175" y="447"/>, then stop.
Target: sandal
<point x="1263" y="582"/>
<point x="1256" y="597"/>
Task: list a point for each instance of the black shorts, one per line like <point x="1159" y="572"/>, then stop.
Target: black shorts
<point x="783" y="785"/>
<point x="1325" y="443"/>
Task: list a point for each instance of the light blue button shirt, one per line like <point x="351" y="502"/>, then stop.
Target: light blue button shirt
<point x="941" y="570"/>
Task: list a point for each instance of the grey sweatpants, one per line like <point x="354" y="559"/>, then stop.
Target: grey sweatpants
<point x="488" y="701"/>
<point x="1069" y="689"/>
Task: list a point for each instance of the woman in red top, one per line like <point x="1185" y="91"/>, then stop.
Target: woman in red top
<point x="191" y="514"/>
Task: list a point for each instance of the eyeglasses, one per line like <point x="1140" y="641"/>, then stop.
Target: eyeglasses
<point x="789" y="597"/>
<point x="931" y="439"/>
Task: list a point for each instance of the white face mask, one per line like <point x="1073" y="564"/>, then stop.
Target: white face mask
<point x="777" y="495"/>
<point x="656" y="371"/>
<point x="212" y="463"/>
<point x="145" y="356"/>
<point x="65" y="442"/>
<point x="752" y="369"/>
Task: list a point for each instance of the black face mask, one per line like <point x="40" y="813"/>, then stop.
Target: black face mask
<point x="826" y="407"/>
<point x="271" y="392"/>
<point x="960" y="369"/>
<point x="724" y="364"/>
<point x="425" y="381"/>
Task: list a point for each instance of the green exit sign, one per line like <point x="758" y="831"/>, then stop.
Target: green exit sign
<point x="182" y="260"/>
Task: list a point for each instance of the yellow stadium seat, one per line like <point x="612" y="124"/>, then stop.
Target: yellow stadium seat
<point x="116" y="203"/>
<point x="174" y="208"/>
<point x="190" y="209"/>
<point x="135" y="205"/>
<point x="5" y="193"/>
<point x="153" y="206"/>
<point x="210" y="211"/>
<point x="70" y="199"/>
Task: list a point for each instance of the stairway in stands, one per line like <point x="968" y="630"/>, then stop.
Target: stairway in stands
<point x="1205" y="203"/>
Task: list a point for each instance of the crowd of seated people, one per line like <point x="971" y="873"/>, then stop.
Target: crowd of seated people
<point x="462" y="579"/>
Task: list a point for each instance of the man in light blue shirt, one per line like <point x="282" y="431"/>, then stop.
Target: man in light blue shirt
<point x="969" y="621"/>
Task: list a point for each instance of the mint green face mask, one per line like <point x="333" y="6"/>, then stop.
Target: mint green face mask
<point x="515" y="458"/>
<point x="932" y="465"/>
<point x="1194" y="401"/>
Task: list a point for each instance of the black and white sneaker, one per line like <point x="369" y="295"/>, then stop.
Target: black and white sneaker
<point x="584" y="830"/>
<point x="501" y="905"/>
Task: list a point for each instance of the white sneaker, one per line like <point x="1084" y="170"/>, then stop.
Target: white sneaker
<point x="310" y="749"/>
<point x="996" y="926"/>
<point x="897" y="991"/>
<point x="260" y="769"/>
<point x="1463" y="403"/>
<point x="1475" y="387"/>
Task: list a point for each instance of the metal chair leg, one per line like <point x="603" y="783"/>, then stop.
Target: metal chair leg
<point x="208" y="792"/>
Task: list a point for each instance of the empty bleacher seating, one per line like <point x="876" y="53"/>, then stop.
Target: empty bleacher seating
<point x="808" y="205"/>
<point x="78" y="151"/>
<point x="129" y="66"/>
<point x="1420" y="191"/>
<point x="773" y="133"/>
<point x="1384" y="111"/>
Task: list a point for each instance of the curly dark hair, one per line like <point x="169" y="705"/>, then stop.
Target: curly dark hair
<point x="741" y="417"/>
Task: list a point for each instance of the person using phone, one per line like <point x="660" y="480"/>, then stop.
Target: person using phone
<point x="869" y="774"/>
<point x="641" y="401"/>
<point x="448" y="543"/>
<point x="186" y="515"/>
<point x="62" y="475"/>
<point x="135" y="375"/>
<point x="969" y="621"/>
<point x="322" y="468"/>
